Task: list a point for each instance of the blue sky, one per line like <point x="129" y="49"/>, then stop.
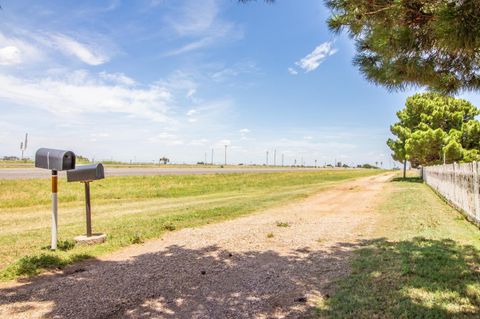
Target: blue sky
<point x="137" y="80"/>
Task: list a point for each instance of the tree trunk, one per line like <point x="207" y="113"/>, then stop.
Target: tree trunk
<point x="404" y="168"/>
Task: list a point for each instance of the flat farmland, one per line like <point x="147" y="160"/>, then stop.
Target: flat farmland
<point x="136" y="208"/>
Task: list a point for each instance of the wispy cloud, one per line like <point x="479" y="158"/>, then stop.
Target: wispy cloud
<point x="87" y="53"/>
<point x="313" y="60"/>
<point x="198" y="44"/>
<point x="199" y="23"/>
<point x="239" y="68"/>
<point x="118" y="78"/>
<point x="195" y="17"/>
<point x="292" y="71"/>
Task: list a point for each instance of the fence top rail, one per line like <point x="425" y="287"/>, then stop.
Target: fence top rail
<point x="450" y="164"/>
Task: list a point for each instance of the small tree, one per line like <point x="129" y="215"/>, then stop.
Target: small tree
<point x="434" y="128"/>
<point x="164" y="160"/>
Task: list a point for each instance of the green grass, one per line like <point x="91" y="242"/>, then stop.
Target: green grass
<point x="131" y="210"/>
<point x="423" y="263"/>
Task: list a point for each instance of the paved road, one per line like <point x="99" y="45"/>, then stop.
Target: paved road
<point x="26" y="173"/>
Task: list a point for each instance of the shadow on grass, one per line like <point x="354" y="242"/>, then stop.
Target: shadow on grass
<point x="419" y="278"/>
<point x="410" y="279"/>
<point x="411" y="179"/>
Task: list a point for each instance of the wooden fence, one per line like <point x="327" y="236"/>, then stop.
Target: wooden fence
<point x="458" y="184"/>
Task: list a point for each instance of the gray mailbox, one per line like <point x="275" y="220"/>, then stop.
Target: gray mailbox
<point x="87" y="174"/>
<point x="55" y="160"/>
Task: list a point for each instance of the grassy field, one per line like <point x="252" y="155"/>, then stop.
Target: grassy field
<point x="423" y="263"/>
<point x="133" y="209"/>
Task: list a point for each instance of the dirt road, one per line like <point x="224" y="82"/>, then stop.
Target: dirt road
<point x="274" y="264"/>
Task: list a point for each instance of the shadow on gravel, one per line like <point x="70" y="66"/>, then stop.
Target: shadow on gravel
<point x="182" y="283"/>
<point x="213" y="283"/>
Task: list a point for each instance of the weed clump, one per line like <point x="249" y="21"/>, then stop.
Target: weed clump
<point x="137" y="238"/>
<point x="170" y="226"/>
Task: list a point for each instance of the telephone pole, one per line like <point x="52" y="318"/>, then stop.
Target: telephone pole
<point x="282" y="159"/>
<point x="267" y="159"/>
<point x="212" y="155"/>
<point x="274" y="157"/>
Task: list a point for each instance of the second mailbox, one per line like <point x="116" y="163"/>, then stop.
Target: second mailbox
<point x="86" y="173"/>
<point x="55" y="160"/>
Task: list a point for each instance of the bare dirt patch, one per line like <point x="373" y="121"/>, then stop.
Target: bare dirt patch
<point x="232" y="269"/>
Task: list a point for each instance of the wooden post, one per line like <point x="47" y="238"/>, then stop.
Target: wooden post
<point x="88" y="209"/>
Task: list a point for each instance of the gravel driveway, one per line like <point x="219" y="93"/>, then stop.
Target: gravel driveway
<point x="276" y="263"/>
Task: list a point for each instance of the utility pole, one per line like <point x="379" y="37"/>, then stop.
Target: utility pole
<point x="274" y="157"/>
<point x="266" y="163"/>
<point x="282" y="159"/>
<point x="23" y="145"/>
<point x="205" y="163"/>
<point x="212" y="155"/>
<point x="315" y="163"/>
<point x="226" y="154"/>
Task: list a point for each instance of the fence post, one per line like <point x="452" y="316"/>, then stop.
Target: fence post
<point x="476" y="191"/>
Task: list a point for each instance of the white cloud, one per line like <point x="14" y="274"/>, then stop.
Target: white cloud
<point x="292" y="71"/>
<point x="316" y="57"/>
<point x="191" y="92"/>
<point x="81" y="93"/>
<point x="15" y="51"/>
<point x="88" y="54"/>
<point x="191" y="112"/>
<point x="10" y="55"/>
<point x="244" y="131"/>
<point x="199" y="142"/>
<point x="223" y="142"/>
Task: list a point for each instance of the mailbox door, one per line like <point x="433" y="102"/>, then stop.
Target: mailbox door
<point x="68" y="161"/>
